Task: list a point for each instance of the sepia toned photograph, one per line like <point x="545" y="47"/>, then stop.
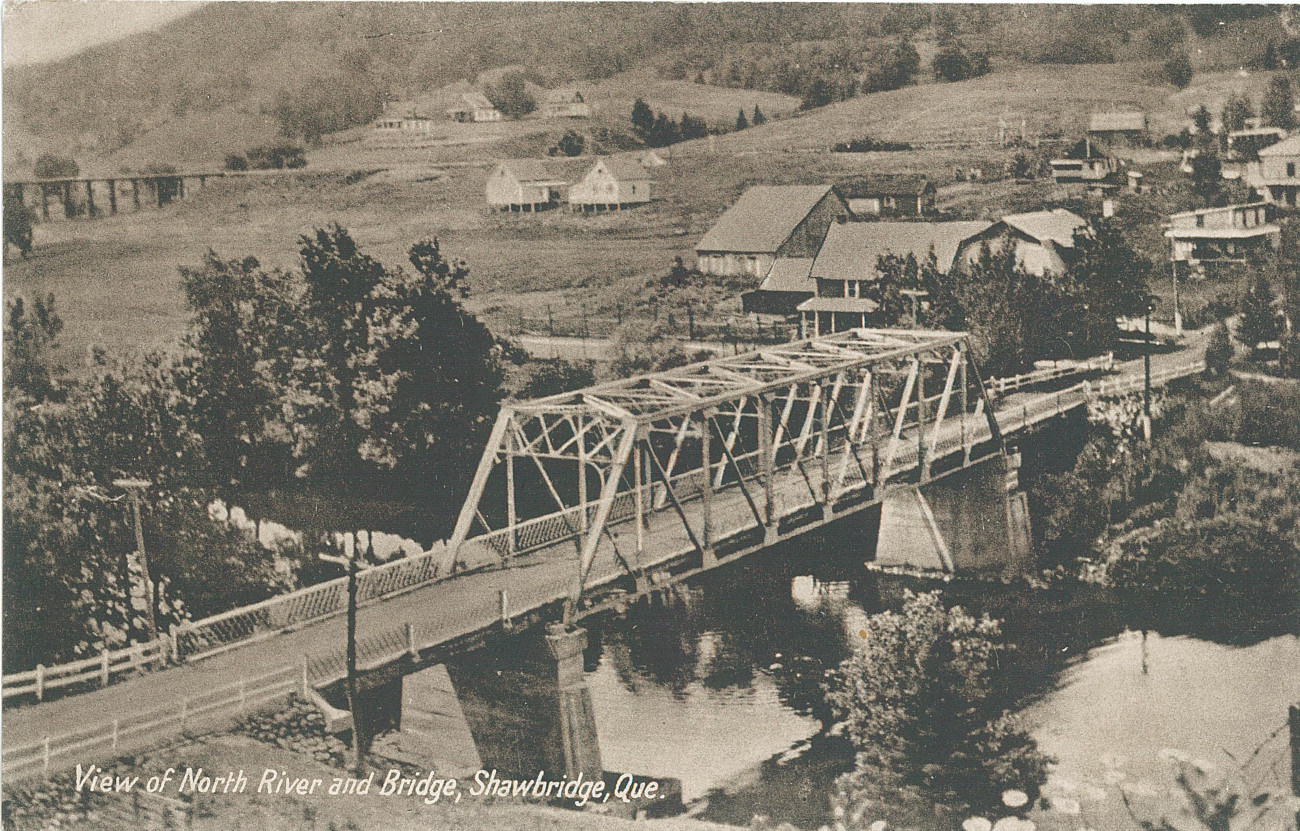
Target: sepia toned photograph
<point x="700" y="416"/>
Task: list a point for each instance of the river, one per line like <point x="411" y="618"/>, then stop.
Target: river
<point x="720" y="687"/>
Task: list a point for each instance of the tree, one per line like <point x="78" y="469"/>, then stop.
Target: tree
<point x="571" y="143"/>
<point x="923" y="703"/>
<point x="30" y="337"/>
<point x="236" y="161"/>
<point x="663" y="132"/>
<point x="510" y="95"/>
<point x="741" y="122"/>
<point x="17" y="224"/>
<point x="1259" y="319"/>
<point x="1235" y="112"/>
<point x="1207" y="175"/>
<point x="1111" y="281"/>
<point x="1218" y="353"/>
<point x="1178" y="70"/>
<point x="50" y="166"/>
<point x="758" y="117"/>
<point x="1278" y="106"/>
<point x="643" y="118"/>
<point x="1201" y="118"/>
<point x="955" y="63"/>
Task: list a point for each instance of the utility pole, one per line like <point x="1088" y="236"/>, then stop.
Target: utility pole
<point x="350" y="561"/>
<point x="133" y="487"/>
<point x="1146" y="379"/>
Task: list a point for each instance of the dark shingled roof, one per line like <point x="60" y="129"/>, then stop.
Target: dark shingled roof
<point x="763" y="218"/>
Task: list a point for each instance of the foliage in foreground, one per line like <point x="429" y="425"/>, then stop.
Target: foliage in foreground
<point x="921" y="702"/>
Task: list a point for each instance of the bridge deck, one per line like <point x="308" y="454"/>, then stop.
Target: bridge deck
<point x="444" y="611"/>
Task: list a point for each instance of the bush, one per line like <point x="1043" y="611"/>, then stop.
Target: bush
<point x="236" y="161"/>
<point x="276" y="158"/>
<point x="17" y="224"/>
<point x="50" y="166"/>
<point x="867" y="144"/>
<point x="955" y="63"/>
<point x="1218" y="354"/>
<point x="510" y="95"/>
<point x="1178" y="70"/>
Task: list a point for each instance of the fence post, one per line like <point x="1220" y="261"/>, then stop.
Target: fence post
<point x="40" y="682"/>
<point x="176" y="644"/>
<point x="114" y="735"/>
<point x="45" y="756"/>
<point x="504" y="604"/>
<point x="306" y="684"/>
<point x="103" y="668"/>
<point x="410" y="642"/>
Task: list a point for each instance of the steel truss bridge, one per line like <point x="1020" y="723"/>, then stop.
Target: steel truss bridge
<point x="725" y="456"/>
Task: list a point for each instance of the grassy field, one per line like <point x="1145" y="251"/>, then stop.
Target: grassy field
<point x="116" y="282"/>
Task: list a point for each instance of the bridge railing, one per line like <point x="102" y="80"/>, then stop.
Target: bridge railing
<point x="1101" y="363"/>
<point x="99" y="671"/>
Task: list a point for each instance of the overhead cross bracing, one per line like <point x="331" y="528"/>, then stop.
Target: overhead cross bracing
<point x="725" y="446"/>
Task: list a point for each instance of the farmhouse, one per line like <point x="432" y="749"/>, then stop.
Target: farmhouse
<point x="770" y="221"/>
<point x="523" y="185"/>
<point x="402" y="125"/>
<point x="1121" y="128"/>
<point x="1044" y="241"/>
<point x="1277" y="175"/>
<point x="1211" y="237"/>
<point x="609" y="185"/>
<point x="847" y="266"/>
<point x="566" y="103"/>
<point x="474" y="107"/>
<point x="881" y="195"/>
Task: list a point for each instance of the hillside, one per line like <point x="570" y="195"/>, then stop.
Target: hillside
<point x="215" y="80"/>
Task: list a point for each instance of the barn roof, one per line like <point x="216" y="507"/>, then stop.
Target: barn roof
<point x="1057" y="225"/>
<point x="763" y="218"/>
<point x="532" y="170"/>
<point x="883" y="184"/>
<point x="852" y="250"/>
<point x="790" y="274"/>
<point x="624" y="169"/>
<point x="1117" y="121"/>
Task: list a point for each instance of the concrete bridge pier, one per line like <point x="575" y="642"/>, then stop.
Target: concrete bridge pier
<point x="974" y="521"/>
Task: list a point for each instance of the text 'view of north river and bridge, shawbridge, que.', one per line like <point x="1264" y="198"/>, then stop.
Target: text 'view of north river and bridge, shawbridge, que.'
<point x="849" y="416"/>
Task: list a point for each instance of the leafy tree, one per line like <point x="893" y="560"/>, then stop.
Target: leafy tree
<point x="820" y="92"/>
<point x="692" y="127"/>
<point x="758" y="117"/>
<point x="1235" y="111"/>
<point x="643" y="118"/>
<point x="552" y="377"/>
<point x="955" y="62"/>
<point x="1278" y="106"/>
<point x="50" y="166"/>
<point x="1201" y="118"/>
<point x="1111" y="281"/>
<point x="326" y="105"/>
<point x="1207" y="175"/>
<point x="1218" y="353"/>
<point x="17" y="224"/>
<point x="571" y="143"/>
<point x="510" y="95"/>
<point x="236" y="161"/>
<point x="1259" y="319"/>
<point x="922" y="703"/>
<point x="663" y="132"/>
<point x="742" y="123"/>
<point x="1178" y="70"/>
<point x="30" y="366"/>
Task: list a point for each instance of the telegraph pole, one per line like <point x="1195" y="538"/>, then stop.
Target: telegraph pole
<point x="350" y="561"/>
<point x="133" y="487"/>
<point x="1146" y="375"/>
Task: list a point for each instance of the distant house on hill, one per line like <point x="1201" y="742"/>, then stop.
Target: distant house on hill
<point x="770" y="221"/>
<point x="888" y="195"/>
<point x="1044" y="241"/>
<point x="609" y="185"/>
<point x="1119" y="128"/>
<point x="1277" y="175"/>
<point x="474" y="107"/>
<point x="1208" y="238"/>
<point x="402" y="125"/>
<point x="525" y="185"/>
<point x="566" y="103"/>
<point x="1086" y="171"/>
<point x="847" y="265"/>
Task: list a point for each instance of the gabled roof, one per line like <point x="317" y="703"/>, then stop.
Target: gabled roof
<point x="565" y="95"/>
<point x="1057" y="226"/>
<point x="763" y="218"/>
<point x="793" y="274"/>
<point x="1116" y="121"/>
<point x="624" y="170"/>
<point x="881" y="184"/>
<point x="474" y="101"/>
<point x="532" y="170"/>
<point x="851" y="250"/>
<point x="1286" y="147"/>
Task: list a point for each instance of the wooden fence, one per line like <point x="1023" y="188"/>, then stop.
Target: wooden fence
<point x="98" y="671"/>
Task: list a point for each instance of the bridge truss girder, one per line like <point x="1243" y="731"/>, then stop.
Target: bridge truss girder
<point x="830" y="415"/>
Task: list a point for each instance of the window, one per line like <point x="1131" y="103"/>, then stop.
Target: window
<point x="852" y="288"/>
<point x="1290" y="170"/>
<point x="1200" y="220"/>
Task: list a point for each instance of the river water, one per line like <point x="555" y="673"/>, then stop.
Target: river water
<point x="720" y="686"/>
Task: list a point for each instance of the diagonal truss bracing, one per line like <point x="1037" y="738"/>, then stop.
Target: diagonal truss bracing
<point x="701" y="452"/>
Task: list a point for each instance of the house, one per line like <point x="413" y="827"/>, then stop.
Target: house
<point x="1277" y="175"/>
<point x="1246" y="143"/>
<point x="1044" y="241"/>
<point x="769" y="221"/>
<point x="523" y="185"/>
<point x="1087" y="171"/>
<point x="1211" y="237"/>
<point x="474" y="107"/>
<point x="403" y="125"/>
<point x="1120" y="128"/>
<point x="847" y="265"/>
<point x="787" y="284"/>
<point x="565" y="103"/>
<point x="882" y="195"/>
<point x="609" y="185"/>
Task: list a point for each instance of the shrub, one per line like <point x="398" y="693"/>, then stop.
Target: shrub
<point x="236" y="161"/>
<point x="1218" y="354"/>
<point x="50" y="166"/>
<point x="867" y="144"/>
<point x="1178" y="70"/>
<point x="510" y="95"/>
